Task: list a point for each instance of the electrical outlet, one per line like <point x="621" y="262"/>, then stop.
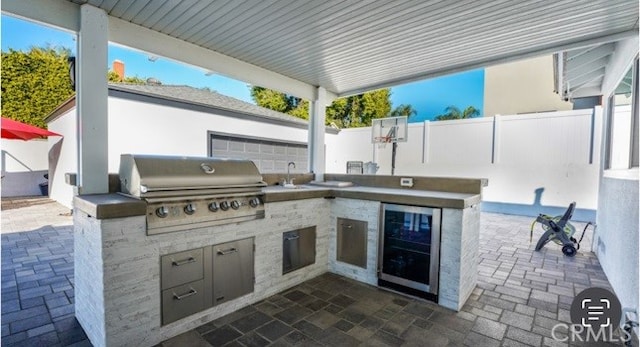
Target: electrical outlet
<point x="406" y="182"/>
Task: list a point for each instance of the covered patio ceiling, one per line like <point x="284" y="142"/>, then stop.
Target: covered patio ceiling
<point x="318" y="50"/>
<point x="346" y="47"/>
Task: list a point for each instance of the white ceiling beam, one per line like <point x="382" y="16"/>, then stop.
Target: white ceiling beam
<point x="594" y="54"/>
<point x="59" y="14"/>
<point x="585" y="92"/>
<point x="621" y="60"/>
<point x="586" y="79"/>
<point x="482" y="63"/>
<point x="574" y="73"/>
<point x="153" y="42"/>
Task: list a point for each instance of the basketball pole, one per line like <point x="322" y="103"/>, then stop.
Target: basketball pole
<point x="393" y="157"/>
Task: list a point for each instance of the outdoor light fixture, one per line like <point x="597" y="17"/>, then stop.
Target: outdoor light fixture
<point x="72" y="71"/>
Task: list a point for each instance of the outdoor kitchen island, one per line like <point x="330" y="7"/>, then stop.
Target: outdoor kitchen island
<point x="119" y="268"/>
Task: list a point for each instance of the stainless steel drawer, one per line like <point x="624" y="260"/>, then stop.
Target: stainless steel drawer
<point x="182" y="301"/>
<point x="180" y="268"/>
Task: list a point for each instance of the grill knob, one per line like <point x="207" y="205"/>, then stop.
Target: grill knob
<point x="213" y="207"/>
<point x="224" y="205"/>
<point x="235" y="204"/>
<point x="190" y="209"/>
<point x="254" y="202"/>
<point x="162" y="211"/>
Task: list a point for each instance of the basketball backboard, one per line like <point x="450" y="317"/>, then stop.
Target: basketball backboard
<point x="388" y="130"/>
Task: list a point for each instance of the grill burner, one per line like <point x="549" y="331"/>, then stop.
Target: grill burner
<point x="188" y="192"/>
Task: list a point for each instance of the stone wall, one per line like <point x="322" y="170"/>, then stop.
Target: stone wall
<point x="459" y="245"/>
<point x="130" y="305"/>
<point x="362" y="210"/>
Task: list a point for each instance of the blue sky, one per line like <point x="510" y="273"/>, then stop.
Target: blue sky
<point x="428" y="97"/>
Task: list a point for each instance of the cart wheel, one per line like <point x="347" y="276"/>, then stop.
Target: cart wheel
<point x="569" y="250"/>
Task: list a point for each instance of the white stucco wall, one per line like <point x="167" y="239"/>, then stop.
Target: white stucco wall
<point x="522" y="86"/>
<point x="63" y="157"/>
<point x="23" y="164"/>
<point x="545" y="150"/>
<point x="616" y="240"/>
<point x="145" y="128"/>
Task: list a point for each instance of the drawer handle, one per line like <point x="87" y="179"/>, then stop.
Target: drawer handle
<point x="227" y="251"/>
<point x="292" y="238"/>
<point x="183" y="261"/>
<point x="186" y="295"/>
<point x="219" y="299"/>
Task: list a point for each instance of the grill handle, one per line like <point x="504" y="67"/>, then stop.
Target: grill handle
<point x="191" y="292"/>
<point x="183" y="261"/>
<point x="227" y="251"/>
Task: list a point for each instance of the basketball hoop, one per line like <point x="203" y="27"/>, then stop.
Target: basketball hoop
<point x="382" y="141"/>
<point x="389" y="130"/>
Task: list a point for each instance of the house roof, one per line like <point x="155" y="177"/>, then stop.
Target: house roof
<point x="182" y="95"/>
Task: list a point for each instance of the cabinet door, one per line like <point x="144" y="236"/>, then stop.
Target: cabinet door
<point x="233" y="270"/>
<point x="352" y="242"/>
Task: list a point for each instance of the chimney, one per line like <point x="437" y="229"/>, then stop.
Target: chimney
<point x="118" y="67"/>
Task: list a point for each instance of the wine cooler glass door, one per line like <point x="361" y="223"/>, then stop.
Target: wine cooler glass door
<point x="410" y="244"/>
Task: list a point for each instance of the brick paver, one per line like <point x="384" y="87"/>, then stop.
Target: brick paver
<point x="520" y="296"/>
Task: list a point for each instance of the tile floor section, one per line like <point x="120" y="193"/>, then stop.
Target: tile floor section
<point x="521" y="295"/>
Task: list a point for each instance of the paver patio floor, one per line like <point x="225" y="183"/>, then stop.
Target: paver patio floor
<point x="521" y="295"/>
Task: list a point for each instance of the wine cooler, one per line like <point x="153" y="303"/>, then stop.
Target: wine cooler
<point x="409" y="254"/>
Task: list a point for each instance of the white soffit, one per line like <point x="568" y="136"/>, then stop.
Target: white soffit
<point x="352" y="46"/>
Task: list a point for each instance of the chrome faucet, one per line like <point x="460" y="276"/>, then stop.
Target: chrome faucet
<point x="289" y="179"/>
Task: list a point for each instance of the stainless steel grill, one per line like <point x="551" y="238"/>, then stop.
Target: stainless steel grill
<point x="189" y="192"/>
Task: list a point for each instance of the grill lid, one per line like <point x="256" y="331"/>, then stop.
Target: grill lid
<point x="153" y="175"/>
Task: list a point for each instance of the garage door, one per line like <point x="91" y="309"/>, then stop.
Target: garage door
<point x="269" y="155"/>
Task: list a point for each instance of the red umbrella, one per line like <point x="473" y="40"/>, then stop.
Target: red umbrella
<point x="12" y="129"/>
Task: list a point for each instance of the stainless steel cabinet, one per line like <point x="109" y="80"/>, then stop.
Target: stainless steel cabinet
<point x="194" y="280"/>
<point x="182" y="282"/>
<point x="298" y="249"/>
<point x="233" y="272"/>
<point x="182" y="301"/>
<point x="352" y="242"/>
<point x="182" y="267"/>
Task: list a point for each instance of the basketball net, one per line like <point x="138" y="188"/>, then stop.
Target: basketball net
<point x="382" y="141"/>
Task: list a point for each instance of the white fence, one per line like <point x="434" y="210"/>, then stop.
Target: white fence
<point x="532" y="161"/>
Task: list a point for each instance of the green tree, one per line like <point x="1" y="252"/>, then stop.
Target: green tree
<point x="348" y="112"/>
<point x="34" y="83"/>
<point x="113" y="76"/>
<point x="453" y="112"/>
<point x="404" y="110"/>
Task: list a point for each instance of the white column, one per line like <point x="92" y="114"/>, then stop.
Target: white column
<point x="91" y="98"/>
<point x="316" y="134"/>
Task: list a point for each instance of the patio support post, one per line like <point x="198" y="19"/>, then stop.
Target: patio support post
<point x="92" y="92"/>
<point x="316" y="134"/>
